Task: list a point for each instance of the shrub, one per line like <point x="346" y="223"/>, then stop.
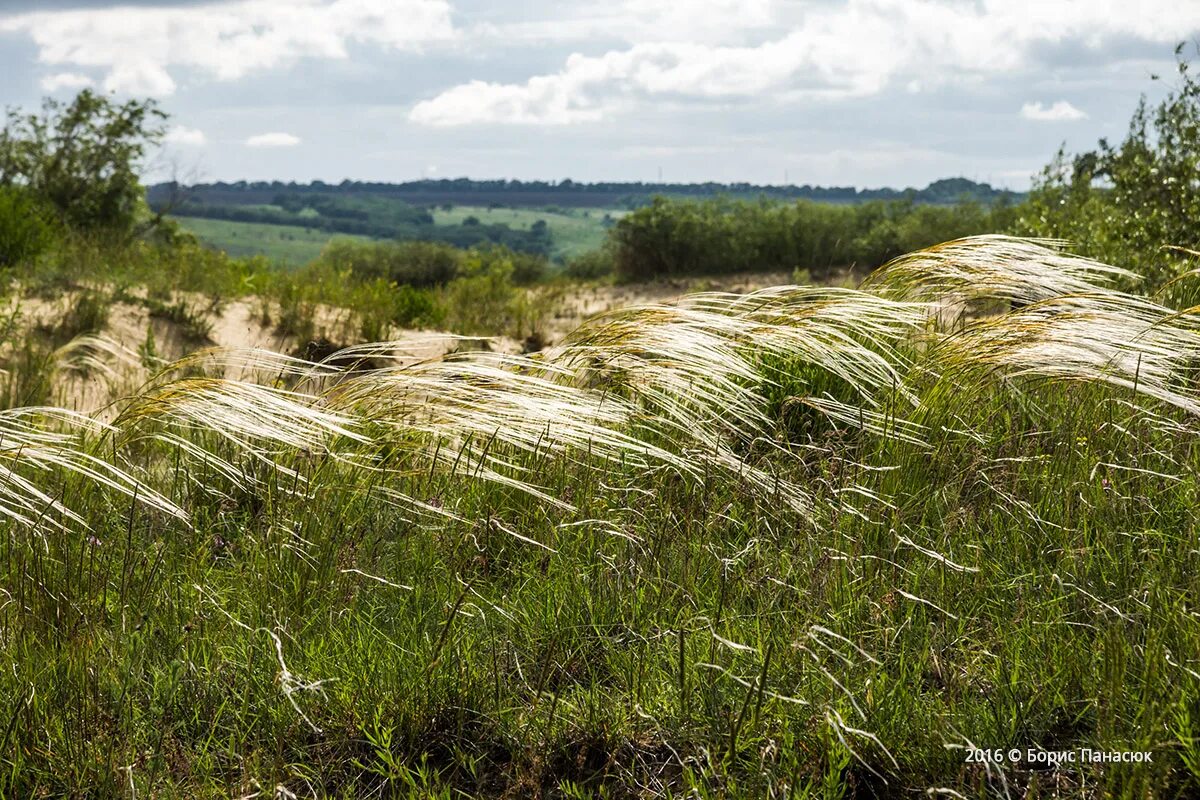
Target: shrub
<point x="297" y="311"/>
<point x="480" y="302"/>
<point x="592" y="265"/>
<point x="412" y="307"/>
<point x="408" y="263"/>
<point x="684" y="237"/>
<point x="425" y="264"/>
<point x="27" y="229"/>
<point x="379" y="305"/>
<point x="522" y="268"/>
<point x="83" y="158"/>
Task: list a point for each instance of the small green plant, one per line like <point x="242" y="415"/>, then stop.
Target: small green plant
<point x="87" y="312"/>
<point x="27" y="373"/>
<point x="192" y="320"/>
<point x="148" y="351"/>
<point x="297" y="312"/>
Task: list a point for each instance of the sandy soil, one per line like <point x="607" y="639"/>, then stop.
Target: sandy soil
<point x="239" y="325"/>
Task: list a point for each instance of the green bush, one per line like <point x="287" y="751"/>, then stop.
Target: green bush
<point x="487" y="299"/>
<point x="590" y="266"/>
<point x="378" y="305"/>
<point x="521" y="268"/>
<point x="685" y="237"/>
<point x="27" y="229"/>
<point x="480" y="302"/>
<point x="413" y="308"/>
<point x="408" y="263"/>
<point x="423" y="264"/>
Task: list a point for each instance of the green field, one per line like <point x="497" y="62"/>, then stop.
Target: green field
<point x="574" y="231"/>
<point x="285" y="244"/>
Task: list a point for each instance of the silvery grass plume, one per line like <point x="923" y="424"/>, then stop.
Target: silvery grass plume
<point x="1008" y="269"/>
<point x="1059" y="320"/>
<point x="696" y="368"/>
<point x="1108" y="338"/>
<point x="265" y="422"/>
<point x="479" y="413"/>
<point x="699" y="361"/>
<point x="85" y="371"/>
<point x="29" y="447"/>
<point x="1027" y="308"/>
<point x="94" y="354"/>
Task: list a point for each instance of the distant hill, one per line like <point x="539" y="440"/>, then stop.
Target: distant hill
<point x="566" y="193"/>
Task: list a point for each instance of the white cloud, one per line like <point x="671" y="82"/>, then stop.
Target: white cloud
<point x="543" y="100"/>
<point x="1060" y="111"/>
<point x="853" y="49"/>
<point x="589" y="87"/>
<point x="185" y="136"/>
<point x="140" y="77"/>
<point x="273" y="140"/>
<point x="141" y="47"/>
<point x="65" y="80"/>
<point x="633" y="21"/>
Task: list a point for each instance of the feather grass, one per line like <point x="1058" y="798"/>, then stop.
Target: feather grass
<point x="30" y="446"/>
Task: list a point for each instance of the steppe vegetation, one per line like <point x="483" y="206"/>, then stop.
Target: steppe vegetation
<point x="802" y="541"/>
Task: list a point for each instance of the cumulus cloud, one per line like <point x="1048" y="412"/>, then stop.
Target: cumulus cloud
<point x="273" y="140"/>
<point x="1058" y="112"/>
<point x="853" y="49"/>
<point x="65" y="80"/>
<point x="141" y="48"/>
<point x="588" y="87"/>
<point x="183" y="135"/>
<point x="633" y="21"/>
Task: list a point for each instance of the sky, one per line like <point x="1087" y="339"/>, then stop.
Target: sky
<point x="866" y="93"/>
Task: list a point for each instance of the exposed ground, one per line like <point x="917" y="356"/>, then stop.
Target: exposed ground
<point x="247" y="323"/>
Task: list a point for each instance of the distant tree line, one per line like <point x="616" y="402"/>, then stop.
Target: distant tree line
<point x="424" y="264"/>
<point x="569" y="193"/>
<point x="380" y="220"/>
<point x="673" y="237"/>
<point x="352" y="207"/>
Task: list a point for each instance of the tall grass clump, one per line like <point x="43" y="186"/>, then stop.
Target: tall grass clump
<point x="800" y="542"/>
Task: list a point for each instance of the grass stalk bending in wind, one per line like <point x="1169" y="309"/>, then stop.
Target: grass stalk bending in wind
<point x="804" y="542"/>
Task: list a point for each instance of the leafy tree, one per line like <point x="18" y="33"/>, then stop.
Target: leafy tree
<point x="82" y="158"/>
<point x="1125" y="203"/>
